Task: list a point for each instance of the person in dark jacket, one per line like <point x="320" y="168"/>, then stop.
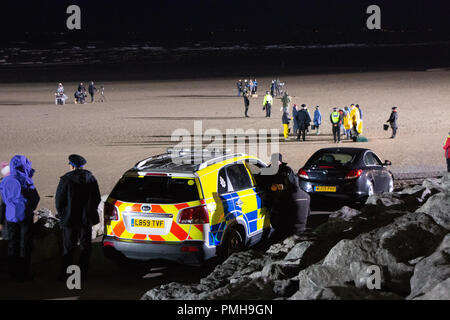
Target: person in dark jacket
<point x="92" y="90"/>
<point x="289" y="205"/>
<point x="303" y="121"/>
<point x="77" y="199"/>
<point x="393" y="121"/>
<point x="20" y="199"/>
<point x="245" y="94"/>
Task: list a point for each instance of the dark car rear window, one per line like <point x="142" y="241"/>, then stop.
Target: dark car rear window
<point x="152" y="189"/>
<point x="332" y="158"/>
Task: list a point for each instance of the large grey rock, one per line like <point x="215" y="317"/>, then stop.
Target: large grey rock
<point x="386" y="201"/>
<point x="431" y="270"/>
<point x="312" y="280"/>
<point x="297" y="252"/>
<point x="438" y="207"/>
<point x="391" y="247"/>
<point x="345" y="213"/>
<point x="440" y="292"/>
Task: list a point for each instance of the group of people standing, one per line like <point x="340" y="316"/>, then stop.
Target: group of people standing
<point x="80" y="94"/>
<point x="77" y="198"/>
<point x="247" y="87"/>
<point x="346" y="121"/>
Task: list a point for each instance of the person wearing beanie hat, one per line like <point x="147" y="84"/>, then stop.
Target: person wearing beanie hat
<point x="303" y="120"/>
<point x="77" y="199"/>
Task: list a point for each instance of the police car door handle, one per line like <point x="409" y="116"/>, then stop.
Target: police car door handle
<point x="239" y="203"/>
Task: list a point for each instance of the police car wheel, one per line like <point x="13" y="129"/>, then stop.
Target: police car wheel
<point x="233" y="242"/>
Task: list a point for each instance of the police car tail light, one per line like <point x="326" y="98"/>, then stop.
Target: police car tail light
<point x="194" y="215"/>
<point x="302" y="174"/>
<point x="353" y="174"/>
<point x="110" y="212"/>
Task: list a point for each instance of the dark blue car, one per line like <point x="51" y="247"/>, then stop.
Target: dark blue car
<point x="345" y="173"/>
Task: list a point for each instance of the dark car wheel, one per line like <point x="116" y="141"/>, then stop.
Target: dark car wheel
<point x="232" y="242"/>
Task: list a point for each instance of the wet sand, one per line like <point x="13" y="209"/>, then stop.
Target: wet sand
<point x="139" y="117"/>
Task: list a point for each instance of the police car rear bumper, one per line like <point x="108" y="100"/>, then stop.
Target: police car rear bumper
<point x="186" y="252"/>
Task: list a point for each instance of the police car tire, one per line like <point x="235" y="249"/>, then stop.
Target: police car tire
<point x="233" y="242"/>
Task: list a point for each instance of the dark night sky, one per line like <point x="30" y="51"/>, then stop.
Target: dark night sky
<point x="195" y="19"/>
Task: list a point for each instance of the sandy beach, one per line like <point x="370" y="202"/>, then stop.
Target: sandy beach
<point x="139" y="117"/>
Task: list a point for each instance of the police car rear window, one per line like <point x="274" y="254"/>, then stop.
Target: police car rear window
<point x="154" y="189"/>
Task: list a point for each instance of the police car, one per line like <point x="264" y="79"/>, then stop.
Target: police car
<point x="172" y="208"/>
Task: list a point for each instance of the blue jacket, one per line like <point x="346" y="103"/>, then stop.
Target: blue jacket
<point x="18" y="192"/>
<point x="317" y="117"/>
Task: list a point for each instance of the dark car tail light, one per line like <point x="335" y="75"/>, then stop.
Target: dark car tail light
<point x="353" y="174"/>
<point x="302" y="174"/>
<point x="194" y="215"/>
<point x="110" y="212"/>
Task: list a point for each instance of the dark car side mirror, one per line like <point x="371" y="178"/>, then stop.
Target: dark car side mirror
<point x="387" y="163"/>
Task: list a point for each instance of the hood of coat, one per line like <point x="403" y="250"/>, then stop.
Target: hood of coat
<point x="20" y="167"/>
<point x="79" y="176"/>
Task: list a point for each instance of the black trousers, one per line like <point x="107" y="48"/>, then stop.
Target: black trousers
<point x="394" y="132"/>
<point x="20" y="245"/>
<point x="246" y="110"/>
<point x="336" y="133"/>
<point x="448" y="164"/>
<point x="302" y="133"/>
<point x="290" y="214"/>
<point x="71" y="237"/>
<point x="268" y="109"/>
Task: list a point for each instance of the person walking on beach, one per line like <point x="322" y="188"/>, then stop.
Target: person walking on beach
<point x="317" y="120"/>
<point x="20" y="199"/>
<point x="303" y="120"/>
<point x="336" y="121"/>
<point x="393" y="121"/>
<point x="92" y="90"/>
<point x="246" y="101"/>
<point x="267" y="104"/>
<point x="77" y="199"/>
<point x="447" y="151"/>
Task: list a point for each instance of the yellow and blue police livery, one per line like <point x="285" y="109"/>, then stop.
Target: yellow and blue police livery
<point x="170" y="207"/>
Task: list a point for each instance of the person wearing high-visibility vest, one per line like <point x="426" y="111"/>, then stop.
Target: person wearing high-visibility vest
<point x="447" y="151"/>
<point x="267" y="104"/>
<point x="336" y="121"/>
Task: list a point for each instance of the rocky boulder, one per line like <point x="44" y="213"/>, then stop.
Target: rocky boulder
<point x="432" y="271"/>
<point x="438" y="207"/>
<point x="393" y="247"/>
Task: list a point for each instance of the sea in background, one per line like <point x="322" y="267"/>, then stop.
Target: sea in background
<point x="136" y="59"/>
